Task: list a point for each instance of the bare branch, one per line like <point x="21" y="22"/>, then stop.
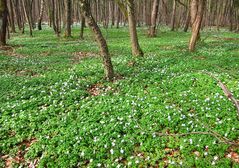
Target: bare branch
<point x="226" y="91"/>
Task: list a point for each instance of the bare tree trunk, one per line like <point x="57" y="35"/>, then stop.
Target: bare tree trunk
<point x="154" y="15"/>
<point x="197" y="10"/>
<point x="188" y="18"/>
<point x="136" y="50"/>
<point x="11" y="17"/>
<point x="108" y="67"/>
<point x="118" y="18"/>
<point x="3" y="22"/>
<point x="27" y="8"/>
<point x="68" y="18"/>
<point x="16" y="5"/>
<point x="173" y="15"/>
<point x="82" y="27"/>
<point x="112" y="12"/>
<point x="41" y="15"/>
<point x="52" y="5"/>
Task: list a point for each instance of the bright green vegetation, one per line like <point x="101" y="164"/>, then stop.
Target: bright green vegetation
<point x="46" y="96"/>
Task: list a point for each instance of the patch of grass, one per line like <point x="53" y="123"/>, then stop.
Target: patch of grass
<point x="45" y="96"/>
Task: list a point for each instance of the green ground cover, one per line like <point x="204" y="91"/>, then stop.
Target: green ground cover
<point x="56" y="110"/>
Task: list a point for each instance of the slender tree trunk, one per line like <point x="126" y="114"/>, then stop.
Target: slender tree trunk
<point x="82" y="27"/>
<point x="118" y="17"/>
<point x="41" y="15"/>
<point x="108" y="67"/>
<point x="136" y="50"/>
<point x="173" y="15"/>
<point x="27" y="8"/>
<point x="154" y="15"/>
<point x="197" y="10"/>
<point x="19" y="19"/>
<point x="68" y="18"/>
<point x="11" y="17"/>
<point x="52" y="5"/>
<point x="188" y="18"/>
<point x="3" y="22"/>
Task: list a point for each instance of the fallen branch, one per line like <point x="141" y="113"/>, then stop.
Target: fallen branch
<point x="210" y="132"/>
<point x="226" y="91"/>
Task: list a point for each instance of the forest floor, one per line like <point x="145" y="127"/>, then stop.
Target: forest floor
<point x="56" y="110"/>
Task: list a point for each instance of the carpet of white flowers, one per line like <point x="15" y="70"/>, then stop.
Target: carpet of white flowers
<point x="56" y="109"/>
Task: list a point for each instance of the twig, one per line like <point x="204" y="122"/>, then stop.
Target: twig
<point x="182" y="4"/>
<point x="219" y="137"/>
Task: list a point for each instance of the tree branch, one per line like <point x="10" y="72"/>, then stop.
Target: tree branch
<point x="226" y="91"/>
<point x="182" y="3"/>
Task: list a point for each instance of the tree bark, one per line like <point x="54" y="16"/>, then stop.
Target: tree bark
<point x="197" y="10"/>
<point x="82" y="27"/>
<point x="188" y="18"/>
<point x="11" y="17"/>
<point x="108" y="67"/>
<point x="136" y="50"/>
<point x="41" y="15"/>
<point x="154" y="15"/>
<point x="3" y="22"/>
<point x="68" y="18"/>
<point x="27" y="8"/>
<point x="173" y="15"/>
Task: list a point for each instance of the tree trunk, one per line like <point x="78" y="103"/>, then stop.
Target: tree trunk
<point x="188" y="18"/>
<point x="82" y="27"/>
<point x="41" y="15"/>
<point x="3" y="22"/>
<point x="173" y="15"/>
<point x="154" y="15"/>
<point x="118" y="17"/>
<point x="197" y="10"/>
<point x="27" y="8"/>
<point x="68" y="18"/>
<point x="108" y="67"/>
<point x="11" y="17"/>
<point x="136" y="50"/>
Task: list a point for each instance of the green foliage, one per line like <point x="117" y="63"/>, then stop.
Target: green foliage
<point x="44" y="95"/>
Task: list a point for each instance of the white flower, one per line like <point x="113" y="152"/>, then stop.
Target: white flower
<point x="95" y="139"/>
<point x="205" y="153"/>
<point x="169" y="118"/>
<point x="147" y="158"/>
<point x="121" y="151"/>
<point x="111" y="151"/>
<point x="207" y="99"/>
<point x="137" y="161"/>
<point x="82" y="153"/>
<point x="215" y="157"/>
<point x="98" y="165"/>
